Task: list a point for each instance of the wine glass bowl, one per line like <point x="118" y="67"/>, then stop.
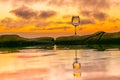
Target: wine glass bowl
<point x="75" y="20"/>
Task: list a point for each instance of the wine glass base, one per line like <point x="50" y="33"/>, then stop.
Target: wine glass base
<point x="76" y="35"/>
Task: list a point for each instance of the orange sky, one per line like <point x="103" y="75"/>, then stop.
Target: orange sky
<point x="53" y="17"/>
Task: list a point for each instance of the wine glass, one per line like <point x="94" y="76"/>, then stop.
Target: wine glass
<point x="75" y="22"/>
<point x="76" y="66"/>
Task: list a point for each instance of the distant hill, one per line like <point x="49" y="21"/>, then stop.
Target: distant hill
<point x="96" y="38"/>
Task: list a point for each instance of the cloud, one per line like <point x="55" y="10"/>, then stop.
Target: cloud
<point x="9" y="23"/>
<point x="27" y="13"/>
<point x="86" y="13"/>
<point x="95" y="4"/>
<point x="116" y="28"/>
<point x="95" y="14"/>
<point x="56" y="2"/>
<point x="56" y="28"/>
<point x="82" y="21"/>
<point x="24" y="12"/>
<point x="113" y="20"/>
<point x="87" y="21"/>
<point x="60" y="3"/>
<point x="22" y="2"/>
<point x="96" y="9"/>
<point x="100" y="15"/>
<point x="42" y="24"/>
<point x="82" y="4"/>
<point x="66" y="16"/>
<point x="46" y="14"/>
<point x="53" y="28"/>
<point x="60" y="22"/>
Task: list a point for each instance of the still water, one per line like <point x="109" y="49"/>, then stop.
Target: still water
<point x="56" y="63"/>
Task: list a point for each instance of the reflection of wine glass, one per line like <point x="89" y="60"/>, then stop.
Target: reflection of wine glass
<point x="75" y="22"/>
<point x="76" y="66"/>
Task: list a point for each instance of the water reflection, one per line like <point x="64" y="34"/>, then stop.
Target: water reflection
<point x="10" y="50"/>
<point x="76" y="66"/>
<point x="95" y="47"/>
<point x="72" y="64"/>
<point x="17" y="49"/>
<point x="62" y="47"/>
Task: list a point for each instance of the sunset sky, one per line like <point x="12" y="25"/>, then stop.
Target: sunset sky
<point x="53" y="17"/>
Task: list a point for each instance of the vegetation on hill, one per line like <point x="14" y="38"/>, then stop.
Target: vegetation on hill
<point x="7" y="38"/>
<point x="96" y="38"/>
<point x="17" y="41"/>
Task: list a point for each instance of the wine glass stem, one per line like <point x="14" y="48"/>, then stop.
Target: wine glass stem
<point x="75" y="31"/>
<point x="76" y="55"/>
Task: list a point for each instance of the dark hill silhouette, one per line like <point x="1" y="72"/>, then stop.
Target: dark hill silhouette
<point x="17" y="41"/>
<point x="96" y="38"/>
<point x="5" y="38"/>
